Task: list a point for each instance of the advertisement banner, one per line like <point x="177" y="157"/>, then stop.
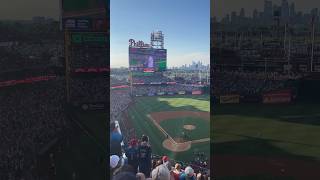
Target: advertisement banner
<point x="196" y="92"/>
<point x="160" y="93"/>
<point x="251" y="99"/>
<point x="26" y="80"/>
<point x="77" y="24"/>
<point x="181" y="92"/>
<point x="89" y="39"/>
<point x="283" y="96"/>
<point x="155" y="83"/>
<point x="170" y="93"/>
<point x="85" y="24"/>
<point x="171" y="83"/>
<point x="230" y="99"/>
<point x="150" y="94"/>
<point x="120" y="87"/>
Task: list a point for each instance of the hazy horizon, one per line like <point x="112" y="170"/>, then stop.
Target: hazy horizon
<point x="18" y="10"/>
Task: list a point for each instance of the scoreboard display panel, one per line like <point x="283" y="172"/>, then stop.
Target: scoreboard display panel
<point x="147" y="60"/>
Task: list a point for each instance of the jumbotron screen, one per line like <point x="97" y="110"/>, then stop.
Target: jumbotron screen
<point x="147" y="60"/>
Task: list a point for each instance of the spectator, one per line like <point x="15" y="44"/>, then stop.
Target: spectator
<point x="114" y="164"/>
<point x="140" y="176"/>
<point x="161" y="172"/>
<point x="115" y="140"/>
<point x="125" y="176"/>
<point x="188" y="174"/>
<point x="132" y="154"/>
<point x="165" y="161"/>
<point x="144" y="151"/>
<point x="177" y="171"/>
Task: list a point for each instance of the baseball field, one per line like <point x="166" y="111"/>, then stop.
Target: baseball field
<point x="256" y="141"/>
<point x="177" y="126"/>
<point x="84" y="152"/>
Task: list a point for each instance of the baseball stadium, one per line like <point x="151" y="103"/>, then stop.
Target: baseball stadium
<point x="146" y="100"/>
<point x="266" y="100"/>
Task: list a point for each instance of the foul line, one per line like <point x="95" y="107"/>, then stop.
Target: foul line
<point x="171" y="139"/>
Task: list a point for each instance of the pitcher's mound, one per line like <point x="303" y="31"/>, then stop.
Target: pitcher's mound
<point x="189" y="127"/>
<point x="176" y="147"/>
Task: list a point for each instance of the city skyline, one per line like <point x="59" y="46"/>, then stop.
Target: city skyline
<point x="220" y="8"/>
<point x="286" y="11"/>
<point x="185" y="25"/>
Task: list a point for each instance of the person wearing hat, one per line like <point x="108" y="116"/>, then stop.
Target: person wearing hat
<point x="161" y="172"/>
<point x="132" y="154"/>
<point x="188" y="174"/>
<point x="116" y="164"/>
<point x="114" y="161"/>
<point x="144" y="152"/>
<point x="166" y="162"/>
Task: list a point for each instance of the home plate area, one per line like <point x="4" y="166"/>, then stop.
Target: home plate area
<point x="181" y="128"/>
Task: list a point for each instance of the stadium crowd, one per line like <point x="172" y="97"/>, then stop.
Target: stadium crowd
<point x="118" y="80"/>
<point x="31" y="116"/>
<point x="83" y="58"/>
<point x="250" y="83"/>
<point x="120" y="100"/>
<point x="135" y="161"/>
<point x="151" y="79"/>
<point x="88" y="90"/>
<point x="25" y="54"/>
<point x="153" y="89"/>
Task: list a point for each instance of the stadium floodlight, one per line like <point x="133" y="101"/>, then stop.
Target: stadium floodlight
<point x="157" y="40"/>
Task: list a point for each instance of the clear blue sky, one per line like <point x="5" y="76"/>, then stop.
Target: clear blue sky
<point x="185" y="24"/>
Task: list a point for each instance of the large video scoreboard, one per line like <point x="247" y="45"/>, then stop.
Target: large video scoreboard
<point x="147" y="60"/>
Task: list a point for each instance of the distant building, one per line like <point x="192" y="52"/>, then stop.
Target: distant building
<point x="42" y="20"/>
<point x="292" y="10"/>
<point x="242" y="13"/>
<point x="255" y="14"/>
<point x="267" y="9"/>
<point x="285" y="10"/>
<point x="38" y="19"/>
<point x="233" y="17"/>
<point x="226" y="19"/>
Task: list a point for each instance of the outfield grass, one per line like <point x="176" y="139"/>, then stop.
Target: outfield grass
<point x="268" y="130"/>
<point x="174" y="127"/>
<point x="146" y="105"/>
<point x="86" y="154"/>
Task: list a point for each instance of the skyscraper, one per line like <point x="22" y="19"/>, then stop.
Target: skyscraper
<point x="242" y="13"/>
<point x="255" y="14"/>
<point x="292" y="10"/>
<point x="267" y="9"/>
<point x="233" y="17"/>
<point x="285" y="10"/>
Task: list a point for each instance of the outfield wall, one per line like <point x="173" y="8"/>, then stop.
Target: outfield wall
<point x="271" y="97"/>
<point x="171" y="93"/>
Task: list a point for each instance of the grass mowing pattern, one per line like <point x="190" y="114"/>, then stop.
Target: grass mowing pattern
<point x="146" y="105"/>
<point x="287" y="130"/>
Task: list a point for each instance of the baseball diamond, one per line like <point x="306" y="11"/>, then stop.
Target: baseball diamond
<point x="177" y="125"/>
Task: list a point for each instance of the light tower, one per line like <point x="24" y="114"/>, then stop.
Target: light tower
<point x="157" y="40"/>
